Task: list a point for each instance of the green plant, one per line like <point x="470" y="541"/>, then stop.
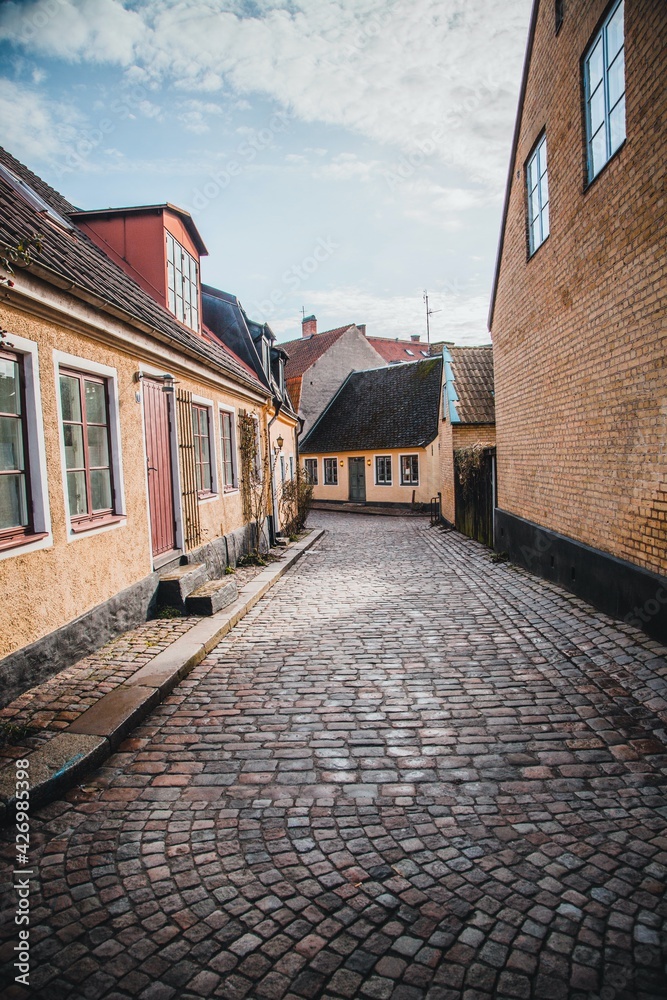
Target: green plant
<point x="296" y="498"/>
<point x="14" y="732"/>
<point x="19" y="254"/>
<point x="256" y="475"/>
<point x="229" y="570"/>
<point x="167" y="611"/>
<point x="500" y="557"/>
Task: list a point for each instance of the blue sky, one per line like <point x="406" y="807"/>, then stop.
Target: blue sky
<point x="338" y="156"/>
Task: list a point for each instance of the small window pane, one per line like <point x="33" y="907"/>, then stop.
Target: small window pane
<point x="542" y="156"/>
<point x="74" y="453"/>
<point x="70" y="399"/>
<point x="96" y="403"/>
<point x="170" y="249"/>
<point x="598" y="151"/>
<point x="98" y="446"/>
<point x="544" y="190"/>
<point x="615" y="34"/>
<point x="535" y="204"/>
<point x="100" y="488"/>
<point x="11" y="444"/>
<point x="13" y="505"/>
<point x="617" y="125"/>
<point x="595" y="64"/>
<point x="616" y="79"/>
<point x="10" y="396"/>
<point x="76" y="489"/>
<point x="545" y="222"/>
<point x="597" y="109"/>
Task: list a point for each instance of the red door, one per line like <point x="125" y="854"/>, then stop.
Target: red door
<point x="157" y="426"/>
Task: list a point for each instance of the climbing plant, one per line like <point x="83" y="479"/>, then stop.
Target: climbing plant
<point x="255" y="475"/>
<point x="19" y="254"/>
<point x="296" y="497"/>
<point x="468" y="462"/>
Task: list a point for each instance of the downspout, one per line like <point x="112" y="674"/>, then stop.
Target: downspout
<point x="277" y="405"/>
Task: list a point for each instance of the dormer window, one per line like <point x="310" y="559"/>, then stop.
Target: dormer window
<point x="182" y="284"/>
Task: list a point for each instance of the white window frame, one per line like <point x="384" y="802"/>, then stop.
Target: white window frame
<point x="212" y="447"/>
<point x="324" y="471"/>
<point x="222" y="408"/>
<point x="378" y="482"/>
<point x="193" y="285"/>
<point x="315" y="465"/>
<point x="85" y="365"/>
<point x="34" y="427"/>
<point x="602" y="38"/>
<point x="411" y="482"/>
<point x="537" y="192"/>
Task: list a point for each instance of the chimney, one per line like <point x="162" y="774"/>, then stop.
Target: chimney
<point x="415" y="337"/>
<point x="308" y="326"/>
<point x="362" y="327"/>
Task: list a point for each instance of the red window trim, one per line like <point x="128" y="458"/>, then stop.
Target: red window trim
<point x="82" y="522"/>
<point x="17" y="541"/>
<point x="79" y="526"/>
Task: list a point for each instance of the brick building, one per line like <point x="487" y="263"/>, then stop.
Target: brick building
<point x="578" y="309"/>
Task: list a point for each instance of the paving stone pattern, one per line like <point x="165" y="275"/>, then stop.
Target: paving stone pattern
<point x="407" y="773"/>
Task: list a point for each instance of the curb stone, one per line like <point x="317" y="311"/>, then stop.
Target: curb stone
<point x="59" y="764"/>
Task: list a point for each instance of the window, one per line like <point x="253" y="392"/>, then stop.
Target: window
<point x="229" y="480"/>
<point x="84" y="404"/>
<point x="310" y="465"/>
<point x="560" y="12"/>
<point x="331" y="472"/>
<point x="282" y="468"/>
<point x="182" y="284"/>
<point x="409" y="470"/>
<point x="202" y="437"/>
<point x="291" y="466"/>
<point x="604" y="88"/>
<point x="538" y="196"/>
<point x="15" y="504"/>
<point x="383" y="470"/>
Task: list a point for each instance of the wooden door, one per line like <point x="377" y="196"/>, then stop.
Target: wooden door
<point x="157" y="427"/>
<point x="357" y="471"/>
<point x="473" y="496"/>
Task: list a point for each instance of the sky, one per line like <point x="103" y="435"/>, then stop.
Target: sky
<point x="338" y="157"/>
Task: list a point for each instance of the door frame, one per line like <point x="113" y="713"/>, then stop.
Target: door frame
<point x="150" y="372"/>
<point x="350" y="459"/>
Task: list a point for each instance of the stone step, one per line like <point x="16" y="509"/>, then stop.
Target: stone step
<point x="175" y="586"/>
<point x="211" y="597"/>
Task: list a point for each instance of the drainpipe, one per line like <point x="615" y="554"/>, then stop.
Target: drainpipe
<point x="277" y="404"/>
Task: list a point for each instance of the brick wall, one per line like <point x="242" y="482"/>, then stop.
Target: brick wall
<point x="452" y="437"/>
<point x="579" y="329"/>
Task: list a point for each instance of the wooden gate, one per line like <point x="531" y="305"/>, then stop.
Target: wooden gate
<point x="186" y="451"/>
<point x="357" y="473"/>
<point x="473" y="496"/>
<point x="157" y="427"/>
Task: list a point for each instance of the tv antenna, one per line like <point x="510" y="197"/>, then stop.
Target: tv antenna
<point x="429" y="313"/>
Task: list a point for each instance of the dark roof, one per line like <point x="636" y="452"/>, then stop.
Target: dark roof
<point x="515" y="143"/>
<point x="69" y="259"/>
<point x="471" y="369"/>
<point x="393" y="349"/>
<point x="82" y="216"/>
<point x="393" y="407"/>
<point x="305" y="351"/>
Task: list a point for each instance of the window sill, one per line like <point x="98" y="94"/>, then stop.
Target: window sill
<point x="80" y="527"/>
<point x="409" y="484"/>
<point x="18" y="541"/>
<point x="203" y="497"/>
<point x="231" y="489"/>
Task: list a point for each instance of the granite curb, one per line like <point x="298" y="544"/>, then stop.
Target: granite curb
<point x="93" y="736"/>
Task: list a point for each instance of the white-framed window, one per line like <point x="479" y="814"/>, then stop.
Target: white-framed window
<point x="310" y="465"/>
<point x="282" y="468"/>
<point x="89" y="421"/>
<point x="25" y="523"/>
<point x="538" y="196"/>
<point x="409" y="470"/>
<point x="182" y="283"/>
<point x="383" y="470"/>
<point x="604" y="89"/>
<point x="331" y="472"/>
<point x="201" y="429"/>
<point x="228" y="447"/>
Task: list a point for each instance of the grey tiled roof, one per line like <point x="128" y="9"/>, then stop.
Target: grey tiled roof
<point x="70" y="258"/>
<point x="393" y="407"/>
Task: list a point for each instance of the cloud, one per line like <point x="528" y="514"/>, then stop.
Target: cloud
<point x="193" y="114"/>
<point x="462" y="316"/>
<point x="393" y="73"/>
<point x="34" y="127"/>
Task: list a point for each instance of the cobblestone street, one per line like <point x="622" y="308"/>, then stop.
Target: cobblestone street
<point x="408" y="773"/>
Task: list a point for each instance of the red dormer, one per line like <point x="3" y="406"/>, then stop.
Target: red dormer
<point x="159" y="246"/>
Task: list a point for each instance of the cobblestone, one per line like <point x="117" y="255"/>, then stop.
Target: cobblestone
<point x="408" y="773"/>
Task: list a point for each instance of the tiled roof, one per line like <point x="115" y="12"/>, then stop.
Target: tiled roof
<point x="393" y="407"/>
<point x="305" y="351"/>
<point x="472" y="371"/>
<point x="70" y="256"/>
<point x="393" y="350"/>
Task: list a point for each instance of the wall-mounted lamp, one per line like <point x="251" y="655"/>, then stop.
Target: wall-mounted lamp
<point x="168" y="381"/>
<point x="368" y="461"/>
<point x="342" y="465"/>
<point x="280" y="442"/>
